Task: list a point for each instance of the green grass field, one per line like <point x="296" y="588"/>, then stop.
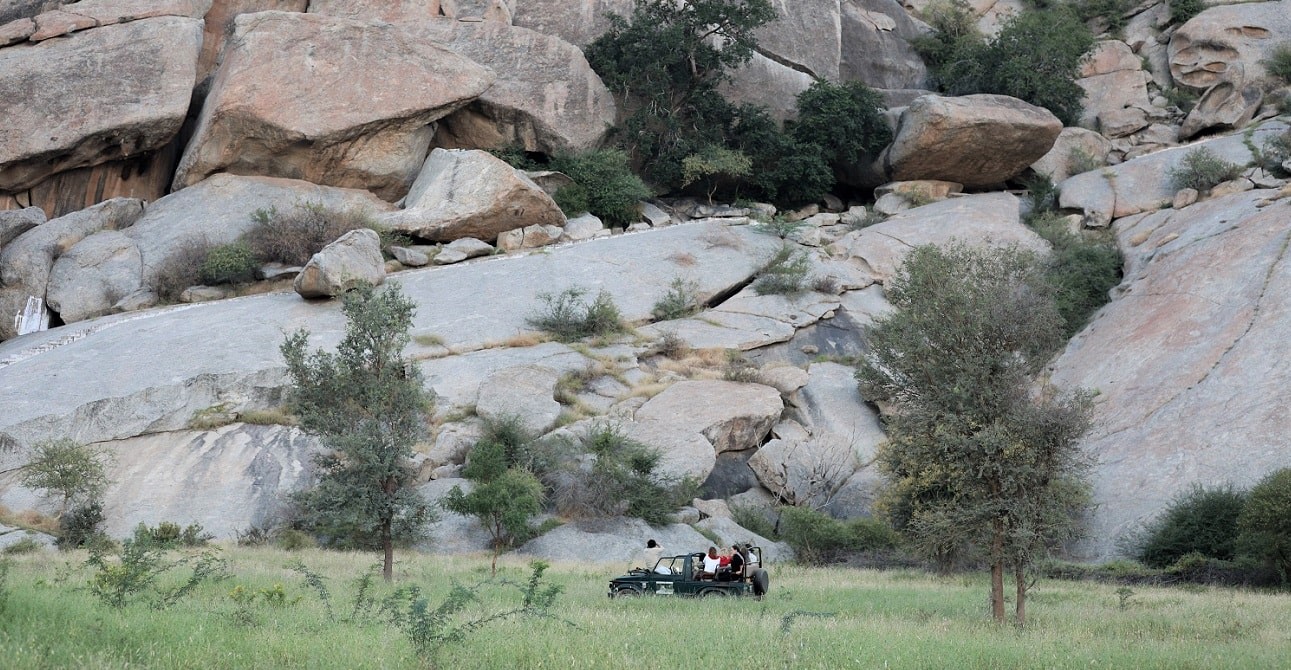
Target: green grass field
<point x="867" y="619"/>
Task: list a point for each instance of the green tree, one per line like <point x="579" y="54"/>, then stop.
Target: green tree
<point x="1200" y="520"/>
<point x="711" y="164"/>
<point x="844" y="120"/>
<point x="1265" y="522"/>
<point x="504" y="502"/>
<point x="75" y="472"/>
<point x="665" y="64"/>
<point x="975" y="457"/>
<point x="368" y="405"/>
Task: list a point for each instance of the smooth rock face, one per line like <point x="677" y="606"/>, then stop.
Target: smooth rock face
<point x="353" y="260"/>
<point x="108" y="93"/>
<point x="578" y="22"/>
<point x="1227" y="43"/>
<point x="765" y="82"/>
<point x="986" y="219"/>
<point x="227" y="479"/>
<point x="524" y="392"/>
<point x="326" y="100"/>
<point x="1144" y="184"/>
<point x="806" y="36"/>
<point x="876" y="47"/>
<point x="1187" y="360"/>
<point x="471" y="194"/>
<point x="975" y="140"/>
<point x="219" y="24"/>
<point x="389" y="11"/>
<point x="545" y="98"/>
<point x="26" y="264"/>
<point x="1110" y="93"/>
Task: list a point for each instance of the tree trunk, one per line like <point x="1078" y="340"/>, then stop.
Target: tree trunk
<point x="387" y="545"/>
<point x="1020" y="577"/>
<point x="494" y="567"/>
<point x="997" y="570"/>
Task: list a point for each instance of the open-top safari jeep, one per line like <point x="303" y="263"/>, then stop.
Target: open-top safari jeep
<point x="684" y="576"/>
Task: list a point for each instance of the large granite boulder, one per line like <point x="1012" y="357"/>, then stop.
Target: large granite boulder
<point x="326" y="100"/>
<point x="227" y="479"/>
<point x="219" y="24"/>
<point x="352" y="261"/>
<point x="546" y="97"/>
<point x="1227" y="43"/>
<point x="15" y="222"/>
<point x="105" y="93"/>
<point x="974" y="140"/>
<point x="472" y="194"/>
<point x="216" y="211"/>
<point x="1113" y="81"/>
<point x="876" y="47"/>
<point x="1224" y="106"/>
<point x="526" y="393"/>
<point x="578" y="22"/>
<point x="1144" y="183"/>
<point x="1073" y="147"/>
<point x="692" y="421"/>
<point x="986" y="219"/>
<point x="27" y="263"/>
<point x="806" y="35"/>
<point x="1187" y="360"/>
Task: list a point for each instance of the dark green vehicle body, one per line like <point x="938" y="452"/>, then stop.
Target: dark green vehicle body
<point x="677" y="576"/>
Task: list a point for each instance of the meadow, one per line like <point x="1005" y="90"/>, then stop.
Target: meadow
<point x="813" y="618"/>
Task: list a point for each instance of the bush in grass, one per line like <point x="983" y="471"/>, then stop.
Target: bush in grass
<point x="228" y="264"/>
<point x="170" y="535"/>
<point x="80" y="526"/>
<point x="1202" y="170"/>
<point x="133" y="573"/>
<point x="681" y="300"/>
<point x="603" y="185"/>
<point x="786" y="273"/>
<point x="568" y="317"/>
<point x="294" y="236"/>
<point x="1278" y="64"/>
<point x="1265" y="522"/>
<point x="818" y="538"/>
<point x="26" y="545"/>
<point x="1200" y="520"/>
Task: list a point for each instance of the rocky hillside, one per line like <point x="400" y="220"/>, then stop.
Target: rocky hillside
<point x="137" y="131"/>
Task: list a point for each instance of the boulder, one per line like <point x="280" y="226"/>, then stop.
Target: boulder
<point x="219" y="24"/>
<point x="546" y="97"/>
<point x="525" y="392"/>
<point x="1144" y="183"/>
<point x="454" y="442"/>
<point x="1228" y="43"/>
<point x="453" y="533"/>
<point x="974" y="140"/>
<point x="388" y="11"/>
<point x="986" y="219"/>
<point x="728" y="533"/>
<point x="767" y="83"/>
<point x="463" y="193"/>
<point x="748" y="321"/>
<point x="1067" y="151"/>
<point x="91" y="278"/>
<point x="1110" y="93"/>
<point x="1109" y="56"/>
<point x="11" y="536"/>
<point x="584" y="227"/>
<point x="578" y="22"/>
<point x="216" y="211"/>
<point x="409" y="257"/>
<point x="12" y="10"/>
<point x="806" y="36"/>
<point x="875" y="44"/>
<point x="227" y="479"/>
<point x="1116" y="123"/>
<point x="108" y="93"/>
<point x="1185" y="360"/>
<point x="1224" y="106"/>
<point x="353" y="260"/>
<point x="541" y="235"/>
<point x="18" y="221"/>
<point x="326" y="100"/>
<point x="27" y="262"/>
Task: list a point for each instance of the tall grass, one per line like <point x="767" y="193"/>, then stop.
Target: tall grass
<point x="902" y="619"/>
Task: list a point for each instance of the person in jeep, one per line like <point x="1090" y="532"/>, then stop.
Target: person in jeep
<point x="735" y="570"/>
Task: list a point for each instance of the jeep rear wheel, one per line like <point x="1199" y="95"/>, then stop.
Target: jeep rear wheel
<point x="626" y="592"/>
<point x="719" y="593"/>
<point x="761" y="582"/>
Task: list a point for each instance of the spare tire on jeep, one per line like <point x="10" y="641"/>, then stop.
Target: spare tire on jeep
<point x="761" y="582"/>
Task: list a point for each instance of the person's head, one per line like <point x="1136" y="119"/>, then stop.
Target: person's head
<point x="712" y="552"/>
<point x="735" y="549"/>
<point x="651" y="544"/>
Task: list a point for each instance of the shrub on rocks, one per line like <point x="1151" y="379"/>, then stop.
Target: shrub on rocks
<point x="604" y="185"/>
<point x="568" y="317"/>
<point x="1081" y="269"/>
<point x="1182" y="11"/>
<point x="680" y="301"/>
<point x="294" y="236"/>
<point x="181" y="269"/>
<point x="786" y="273"/>
<point x="1202" y="170"/>
<point x="844" y="120"/>
<point x="228" y="264"/>
<point x="1278" y="64"/>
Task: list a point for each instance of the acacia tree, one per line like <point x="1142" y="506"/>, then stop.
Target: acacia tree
<point x="505" y="497"/>
<point x="75" y="472"/>
<point x="368" y="406"/>
<point x="976" y="457"/>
